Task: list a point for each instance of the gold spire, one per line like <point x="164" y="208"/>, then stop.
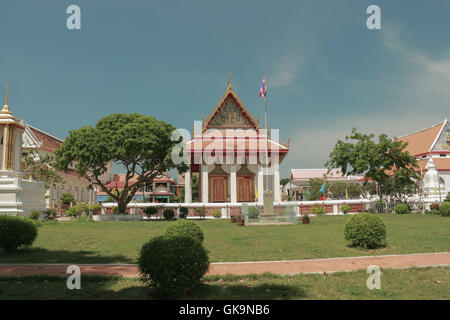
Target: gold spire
<point x="229" y="80"/>
<point x="6" y="106"/>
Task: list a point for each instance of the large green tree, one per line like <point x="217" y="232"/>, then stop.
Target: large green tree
<point x="377" y="160"/>
<point x="139" y="145"/>
<point x="39" y="166"/>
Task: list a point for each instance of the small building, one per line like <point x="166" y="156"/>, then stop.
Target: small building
<point x="432" y="142"/>
<point x="300" y="180"/>
<point x="160" y="190"/>
<point x="162" y="187"/>
<point x="228" y="152"/>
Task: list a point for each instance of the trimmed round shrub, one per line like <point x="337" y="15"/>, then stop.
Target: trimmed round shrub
<point x="217" y="214"/>
<point x="150" y="211"/>
<point x="185" y="228"/>
<point x="401" y="208"/>
<point x="444" y="210"/>
<point x="345" y="208"/>
<point x="172" y="265"/>
<point x="317" y="209"/>
<point x="76" y="210"/>
<point x="168" y="214"/>
<point x="200" y="212"/>
<point x="16" y="232"/>
<point x="365" y="230"/>
<point x="34" y="215"/>
<point x="253" y="213"/>
<point x="183" y="213"/>
<point x="67" y="198"/>
<point x="94" y="208"/>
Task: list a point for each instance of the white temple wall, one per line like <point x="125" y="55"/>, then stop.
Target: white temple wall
<point x="445" y="175"/>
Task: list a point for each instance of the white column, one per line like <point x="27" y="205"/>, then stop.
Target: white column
<point x="233" y="184"/>
<point x="260" y="184"/>
<point x="188" y="186"/>
<point x="205" y="186"/>
<point x="5" y="134"/>
<point x="276" y="186"/>
<point x="17" y="149"/>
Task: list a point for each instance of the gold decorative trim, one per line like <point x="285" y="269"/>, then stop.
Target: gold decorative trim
<point x="230" y="91"/>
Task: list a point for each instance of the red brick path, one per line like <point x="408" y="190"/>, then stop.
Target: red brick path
<point x="240" y="268"/>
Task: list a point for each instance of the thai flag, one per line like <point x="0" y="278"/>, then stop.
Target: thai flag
<point x="262" y="91"/>
<point x="95" y="189"/>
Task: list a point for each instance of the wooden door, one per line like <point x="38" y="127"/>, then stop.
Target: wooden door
<point x="218" y="188"/>
<point x="245" y="189"/>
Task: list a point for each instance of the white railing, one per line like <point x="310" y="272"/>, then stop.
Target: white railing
<point x="226" y="207"/>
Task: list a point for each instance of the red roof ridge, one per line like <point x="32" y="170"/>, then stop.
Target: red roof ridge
<point x="43" y="132"/>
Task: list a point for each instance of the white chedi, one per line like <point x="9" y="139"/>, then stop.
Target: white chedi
<point x="431" y="184"/>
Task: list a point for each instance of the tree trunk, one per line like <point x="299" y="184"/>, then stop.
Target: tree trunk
<point x="122" y="207"/>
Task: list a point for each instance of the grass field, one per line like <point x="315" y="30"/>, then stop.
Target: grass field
<point x="120" y="242"/>
<point x="417" y="283"/>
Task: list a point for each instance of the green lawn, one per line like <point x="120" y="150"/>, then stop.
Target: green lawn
<point x="120" y="242"/>
<point x="416" y="283"/>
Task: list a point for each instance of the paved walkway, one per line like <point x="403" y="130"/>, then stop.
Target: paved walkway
<point x="239" y="268"/>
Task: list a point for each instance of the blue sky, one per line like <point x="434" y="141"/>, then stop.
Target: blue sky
<point x="326" y="71"/>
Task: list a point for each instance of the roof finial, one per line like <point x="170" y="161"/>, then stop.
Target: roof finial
<point x="6" y="106"/>
<point x="229" y="80"/>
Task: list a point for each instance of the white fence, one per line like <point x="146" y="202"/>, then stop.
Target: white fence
<point x="227" y="208"/>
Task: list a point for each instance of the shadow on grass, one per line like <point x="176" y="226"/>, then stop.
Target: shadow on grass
<point x="263" y="291"/>
<point x="102" y="288"/>
<point x="41" y="255"/>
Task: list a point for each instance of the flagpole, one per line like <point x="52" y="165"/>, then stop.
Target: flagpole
<point x="267" y="144"/>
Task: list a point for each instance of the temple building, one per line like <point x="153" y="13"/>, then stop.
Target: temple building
<point x="18" y="196"/>
<point x="39" y="142"/>
<point x="432" y="142"/>
<point x="232" y="155"/>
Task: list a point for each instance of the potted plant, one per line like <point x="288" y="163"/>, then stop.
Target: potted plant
<point x="305" y="219"/>
<point x="240" y="220"/>
<point x="233" y="218"/>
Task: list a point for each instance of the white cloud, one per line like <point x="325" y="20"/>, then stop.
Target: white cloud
<point x="419" y="98"/>
<point x="286" y="70"/>
<point x="425" y="86"/>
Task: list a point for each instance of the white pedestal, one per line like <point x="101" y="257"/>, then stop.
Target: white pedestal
<point x="19" y="196"/>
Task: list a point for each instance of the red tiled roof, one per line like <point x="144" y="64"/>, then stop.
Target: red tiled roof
<point x="49" y="143"/>
<point x="442" y="164"/>
<point x="420" y="142"/>
<point x="248" y="140"/>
